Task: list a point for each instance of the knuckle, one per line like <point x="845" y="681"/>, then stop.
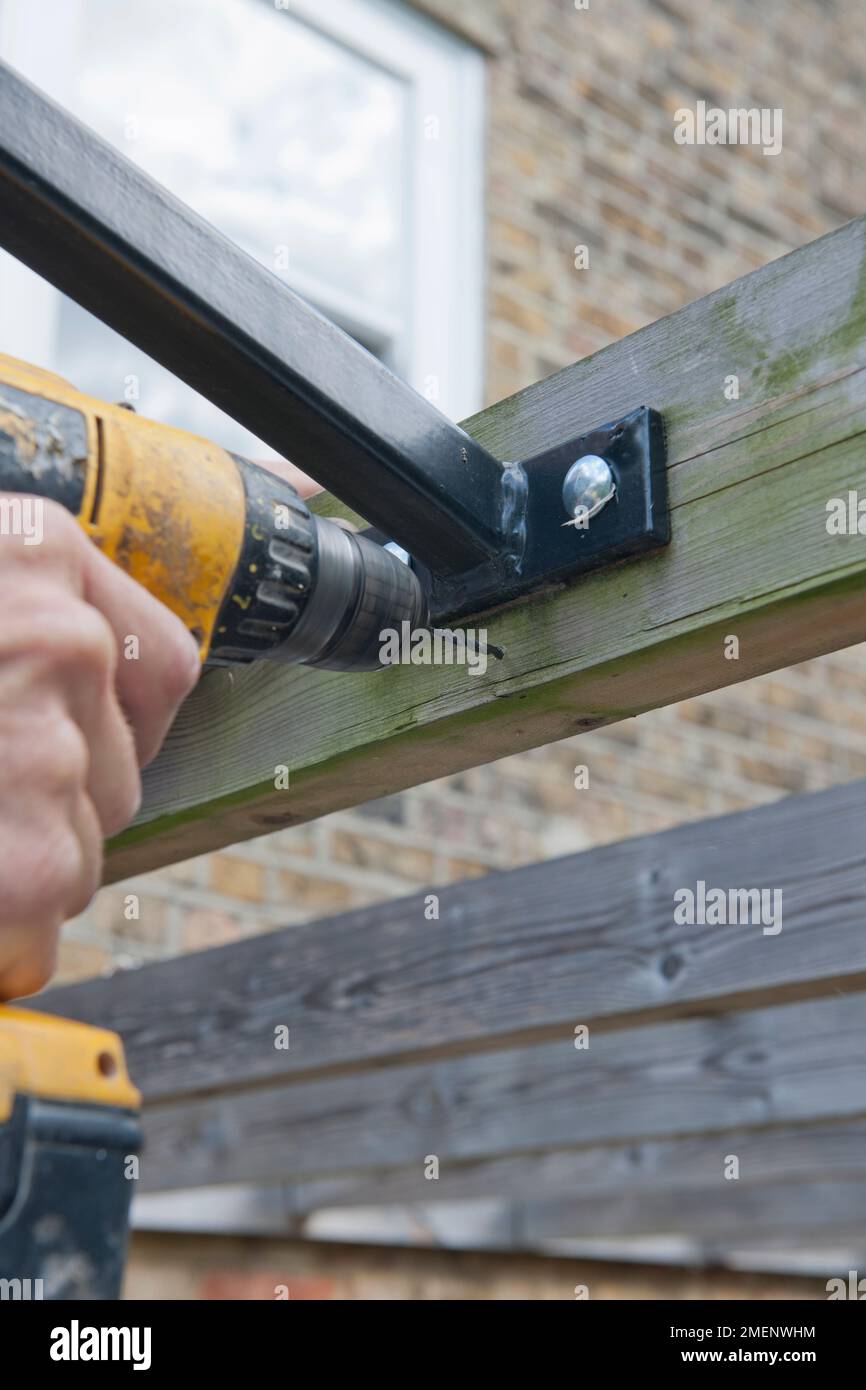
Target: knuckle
<point x="45" y="870"/>
<point x="44" y="755"/>
<point x="90" y="645"/>
<point x="123" y="808"/>
<point x="61" y="633"/>
<point x="63" y="758"/>
<point x="78" y="644"/>
<point x="38" y="619"/>
<point x="86" y="886"/>
<point x="62" y="866"/>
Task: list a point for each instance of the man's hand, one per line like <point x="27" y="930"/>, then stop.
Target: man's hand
<point x="77" y="722"/>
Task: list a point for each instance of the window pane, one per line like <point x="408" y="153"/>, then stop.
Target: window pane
<point x="275" y="133"/>
<point x="290" y="143"/>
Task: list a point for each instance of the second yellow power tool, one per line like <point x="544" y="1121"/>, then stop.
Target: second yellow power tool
<point x="69" y="1140"/>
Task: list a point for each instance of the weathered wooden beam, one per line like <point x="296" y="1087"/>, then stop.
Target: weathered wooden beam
<point x="796" y="1156"/>
<point x="749" y="480"/>
<point x="729" y="1212"/>
<point x="796" y="1063"/>
<point x="793" y="1182"/>
<point x="724" y="1219"/>
<point x="514" y="957"/>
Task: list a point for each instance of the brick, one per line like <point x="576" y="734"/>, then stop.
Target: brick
<point x="786" y="776"/>
<point x="78" y="960"/>
<point x="458" y="869"/>
<point x="298" y="840"/>
<point x="240" y="1285"/>
<point x="237" y="878"/>
<point x="368" y="852"/>
<point x="150" y="927"/>
<point x="318" y="896"/>
<point x="191" y="871"/>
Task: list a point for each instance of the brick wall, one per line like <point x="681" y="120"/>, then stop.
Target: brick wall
<point x="233" y="1267"/>
<point x="580" y="152"/>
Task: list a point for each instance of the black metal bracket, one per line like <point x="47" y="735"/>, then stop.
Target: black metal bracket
<point x="553" y="551"/>
<point x="95" y="225"/>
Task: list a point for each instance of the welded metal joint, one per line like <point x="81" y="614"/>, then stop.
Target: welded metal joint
<point x="515" y="497"/>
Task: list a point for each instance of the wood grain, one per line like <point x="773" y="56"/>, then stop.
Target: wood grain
<point x="728" y="1211"/>
<point x="780" y="1066"/>
<point x="791" y="1155"/>
<point x="517" y="956"/>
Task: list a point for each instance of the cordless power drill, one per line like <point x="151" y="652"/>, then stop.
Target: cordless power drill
<point x="227" y="546"/>
<point x="237" y="555"/>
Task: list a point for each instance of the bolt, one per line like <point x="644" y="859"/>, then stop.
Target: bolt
<point x="587" y="487"/>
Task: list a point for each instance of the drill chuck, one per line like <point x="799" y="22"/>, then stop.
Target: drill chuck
<point x="308" y="592"/>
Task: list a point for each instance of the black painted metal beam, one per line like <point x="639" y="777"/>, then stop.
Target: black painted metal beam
<point x="109" y="236"/>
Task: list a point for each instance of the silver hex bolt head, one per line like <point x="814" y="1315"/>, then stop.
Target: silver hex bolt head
<point x="587" y="487"/>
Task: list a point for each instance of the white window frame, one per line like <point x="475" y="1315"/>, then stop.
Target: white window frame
<point x="438" y="345"/>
